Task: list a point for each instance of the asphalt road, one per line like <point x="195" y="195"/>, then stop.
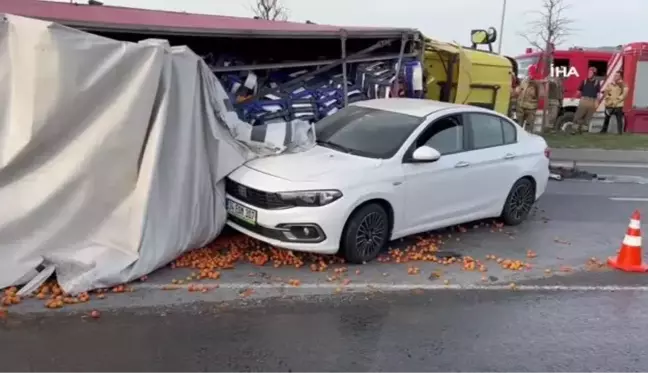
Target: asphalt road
<point x="498" y="330"/>
<point x="592" y="321"/>
<point x="618" y="169"/>
<point x="574" y="222"/>
<point x="613" y="170"/>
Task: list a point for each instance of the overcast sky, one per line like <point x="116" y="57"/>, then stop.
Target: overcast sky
<point x="597" y="22"/>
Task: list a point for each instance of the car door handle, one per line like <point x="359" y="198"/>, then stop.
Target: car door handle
<point x="462" y="164"/>
<point x="509" y="156"/>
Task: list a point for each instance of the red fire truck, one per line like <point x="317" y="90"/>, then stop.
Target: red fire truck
<point x="633" y="61"/>
<point x="571" y="64"/>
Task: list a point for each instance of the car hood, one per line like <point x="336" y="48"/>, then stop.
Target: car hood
<point x="313" y="164"/>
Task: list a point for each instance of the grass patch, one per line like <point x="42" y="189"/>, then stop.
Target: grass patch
<point x="597" y="141"/>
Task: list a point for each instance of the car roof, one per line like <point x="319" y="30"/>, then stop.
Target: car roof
<point x="411" y="106"/>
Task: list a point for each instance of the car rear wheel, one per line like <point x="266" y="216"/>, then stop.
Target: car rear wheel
<point x="365" y="234"/>
<point x="519" y="202"/>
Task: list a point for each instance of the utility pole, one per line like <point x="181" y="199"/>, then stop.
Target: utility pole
<point x="501" y="29"/>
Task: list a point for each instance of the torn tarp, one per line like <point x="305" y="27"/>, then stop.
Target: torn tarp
<point x="112" y="154"/>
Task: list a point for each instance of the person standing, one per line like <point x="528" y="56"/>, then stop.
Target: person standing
<point x="614" y="96"/>
<point x="588" y="92"/>
<point x="555" y="95"/>
<point x="527" y="103"/>
<point x="515" y="83"/>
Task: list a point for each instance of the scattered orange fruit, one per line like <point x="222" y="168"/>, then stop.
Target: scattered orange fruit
<point x="229" y="250"/>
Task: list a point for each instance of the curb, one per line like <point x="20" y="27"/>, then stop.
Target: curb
<point x="368" y="287"/>
<point x="599" y="155"/>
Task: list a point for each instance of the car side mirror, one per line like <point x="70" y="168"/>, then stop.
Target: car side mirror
<point x="426" y="154"/>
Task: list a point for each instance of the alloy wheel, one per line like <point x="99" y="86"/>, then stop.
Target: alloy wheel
<point x="521" y="202"/>
<point x="370" y="236"/>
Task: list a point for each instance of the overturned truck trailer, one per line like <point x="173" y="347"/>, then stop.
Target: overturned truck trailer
<point x="113" y="153"/>
<point x="274" y="71"/>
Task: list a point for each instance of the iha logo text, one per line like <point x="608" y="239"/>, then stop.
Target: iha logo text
<point x="563" y="71"/>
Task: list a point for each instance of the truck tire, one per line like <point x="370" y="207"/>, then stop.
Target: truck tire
<point x="566" y="117"/>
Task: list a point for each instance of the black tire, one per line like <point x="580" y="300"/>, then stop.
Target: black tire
<point x="566" y="117"/>
<point x="519" y="202"/>
<point x="369" y="220"/>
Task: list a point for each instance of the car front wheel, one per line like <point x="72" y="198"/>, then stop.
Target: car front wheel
<point x="519" y="202"/>
<point x="365" y="234"/>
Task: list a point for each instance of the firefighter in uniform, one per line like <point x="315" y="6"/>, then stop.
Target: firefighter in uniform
<point x="589" y="91"/>
<point x="555" y="95"/>
<point x="527" y="102"/>
<point x="515" y="82"/>
<point x="614" y="96"/>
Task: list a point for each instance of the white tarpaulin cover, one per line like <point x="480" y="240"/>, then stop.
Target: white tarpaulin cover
<point x="112" y="154"/>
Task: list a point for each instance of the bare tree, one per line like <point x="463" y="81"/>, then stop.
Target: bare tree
<point x="270" y="9"/>
<point x="549" y="28"/>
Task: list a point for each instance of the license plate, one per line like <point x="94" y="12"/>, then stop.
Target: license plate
<point x="239" y="211"/>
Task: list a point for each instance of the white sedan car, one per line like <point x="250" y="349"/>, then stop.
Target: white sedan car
<point x="385" y="169"/>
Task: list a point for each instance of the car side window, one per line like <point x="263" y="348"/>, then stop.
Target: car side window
<point x="488" y="131"/>
<point x="510" y="132"/>
<point x="445" y="135"/>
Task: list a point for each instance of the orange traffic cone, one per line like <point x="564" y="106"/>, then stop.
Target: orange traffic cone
<point x="630" y="257"/>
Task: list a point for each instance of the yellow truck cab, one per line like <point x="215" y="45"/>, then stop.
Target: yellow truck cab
<point x="466" y="75"/>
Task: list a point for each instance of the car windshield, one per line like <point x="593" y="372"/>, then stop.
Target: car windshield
<point x="366" y="132"/>
<point x="523" y="65"/>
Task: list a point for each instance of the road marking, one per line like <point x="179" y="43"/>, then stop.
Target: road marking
<point x="629" y="199"/>
<point x="399" y="287"/>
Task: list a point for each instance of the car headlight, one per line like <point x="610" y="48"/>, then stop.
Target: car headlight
<point x="309" y="198"/>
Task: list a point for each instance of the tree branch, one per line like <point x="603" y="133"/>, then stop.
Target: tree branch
<point x="271" y="10"/>
<point x="550" y="25"/>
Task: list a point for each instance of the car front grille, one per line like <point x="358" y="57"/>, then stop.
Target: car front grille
<point x="254" y="197"/>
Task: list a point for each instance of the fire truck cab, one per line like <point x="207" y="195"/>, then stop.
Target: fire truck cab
<point x="571" y="65"/>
